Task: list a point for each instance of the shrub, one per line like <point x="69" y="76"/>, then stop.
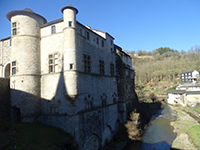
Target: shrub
<point x="132" y="126"/>
<point x="153" y="97"/>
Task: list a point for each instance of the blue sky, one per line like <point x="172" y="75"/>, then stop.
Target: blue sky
<point x="135" y="24"/>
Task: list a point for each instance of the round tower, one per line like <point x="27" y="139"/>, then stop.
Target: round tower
<point x="70" y="50"/>
<point x="25" y="64"/>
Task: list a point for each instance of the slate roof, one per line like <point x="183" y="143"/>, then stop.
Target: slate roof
<point x="189" y="71"/>
<point x="26" y="11"/>
<point x="186" y="86"/>
<point x="176" y="92"/>
<point x="52" y="22"/>
<point x="192" y="92"/>
<point x="183" y="91"/>
<point x="71" y="7"/>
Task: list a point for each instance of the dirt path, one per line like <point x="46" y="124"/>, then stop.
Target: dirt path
<point x="186" y="119"/>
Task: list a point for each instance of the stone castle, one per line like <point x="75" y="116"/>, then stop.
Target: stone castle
<point x="66" y="75"/>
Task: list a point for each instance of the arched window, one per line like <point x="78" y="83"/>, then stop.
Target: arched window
<point x="7" y="71"/>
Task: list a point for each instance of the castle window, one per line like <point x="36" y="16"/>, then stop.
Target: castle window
<point x="88" y="35"/>
<point x="14" y="24"/>
<point x="14" y="31"/>
<point x="13" y="67"/>
<point x="53" y="109"/>
<point x="112" y="69"/>
<point x="71" y="66"/>
<point x="101" y="67"/>
<point x="102" y="43"/>
<point x="97" y="40"/>
<point x="53" y="63"/>
<point x="70" y="23"/>
<point x="14" y="28"/>
<point x="53" y="29"/>
<point x="87" y="63"/>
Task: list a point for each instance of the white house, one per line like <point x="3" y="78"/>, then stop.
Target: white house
<point x="184" y="95"/>
<point x="176" y="97"/>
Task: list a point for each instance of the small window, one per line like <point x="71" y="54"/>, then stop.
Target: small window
<point x="53" y="29"/>
<point x="14" y="24"/>
<point x="71" y="66"/>
<point x="97" y="40"/>
<point x="14" y="31"/>
<point x="70" y="23"/>
<point x="88" y="35"/>
<point x="102" y="43"/>
<point x="101" y="67"/>
<point x="13" y="67"/>
<point x="111" y="42"/>
<point x="87" y="63"/>
<point x="14" y="28"/>
<point x="53" y="63"/>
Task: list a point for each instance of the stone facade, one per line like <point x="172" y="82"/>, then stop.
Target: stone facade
<point x="67" y="75"/>
<point x="5" y="53"/>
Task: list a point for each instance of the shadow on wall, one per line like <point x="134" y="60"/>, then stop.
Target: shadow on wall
<point x="26" y="105"/>
<point x="89" y="124"/>
<point x="4" y="99"/>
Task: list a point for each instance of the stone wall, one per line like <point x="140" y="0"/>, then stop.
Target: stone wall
<point x="192" y="99"/>
<point x="4" y="99"/>
<point x="5" y="54"/>
<point x="125" y="79"/>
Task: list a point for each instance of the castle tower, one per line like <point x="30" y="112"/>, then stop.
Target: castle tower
<point x="70" y="50"/>
<point x="25" y="64"/>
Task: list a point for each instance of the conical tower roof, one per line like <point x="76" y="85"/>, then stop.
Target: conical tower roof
<point x="69" y="6"/>
<point x="26" y="11"/>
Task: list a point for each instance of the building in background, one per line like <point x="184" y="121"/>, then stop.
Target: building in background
<point x="189" y="76"/>
<point x="186" y="95"/>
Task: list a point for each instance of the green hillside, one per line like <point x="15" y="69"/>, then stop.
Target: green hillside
<point x="159" y="70"/>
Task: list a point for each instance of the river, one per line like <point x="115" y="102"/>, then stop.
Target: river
<point x="159" y="135"/>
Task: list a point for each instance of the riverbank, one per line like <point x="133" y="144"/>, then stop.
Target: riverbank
<point x="129" y="137"/>
<point x="187" y="128"/>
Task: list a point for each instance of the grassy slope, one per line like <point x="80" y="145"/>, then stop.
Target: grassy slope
<point x="187" y="128"/>
<point x="159" y="89"/>
<point x="194" y="133"/>
<point x="39" y="137"/>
